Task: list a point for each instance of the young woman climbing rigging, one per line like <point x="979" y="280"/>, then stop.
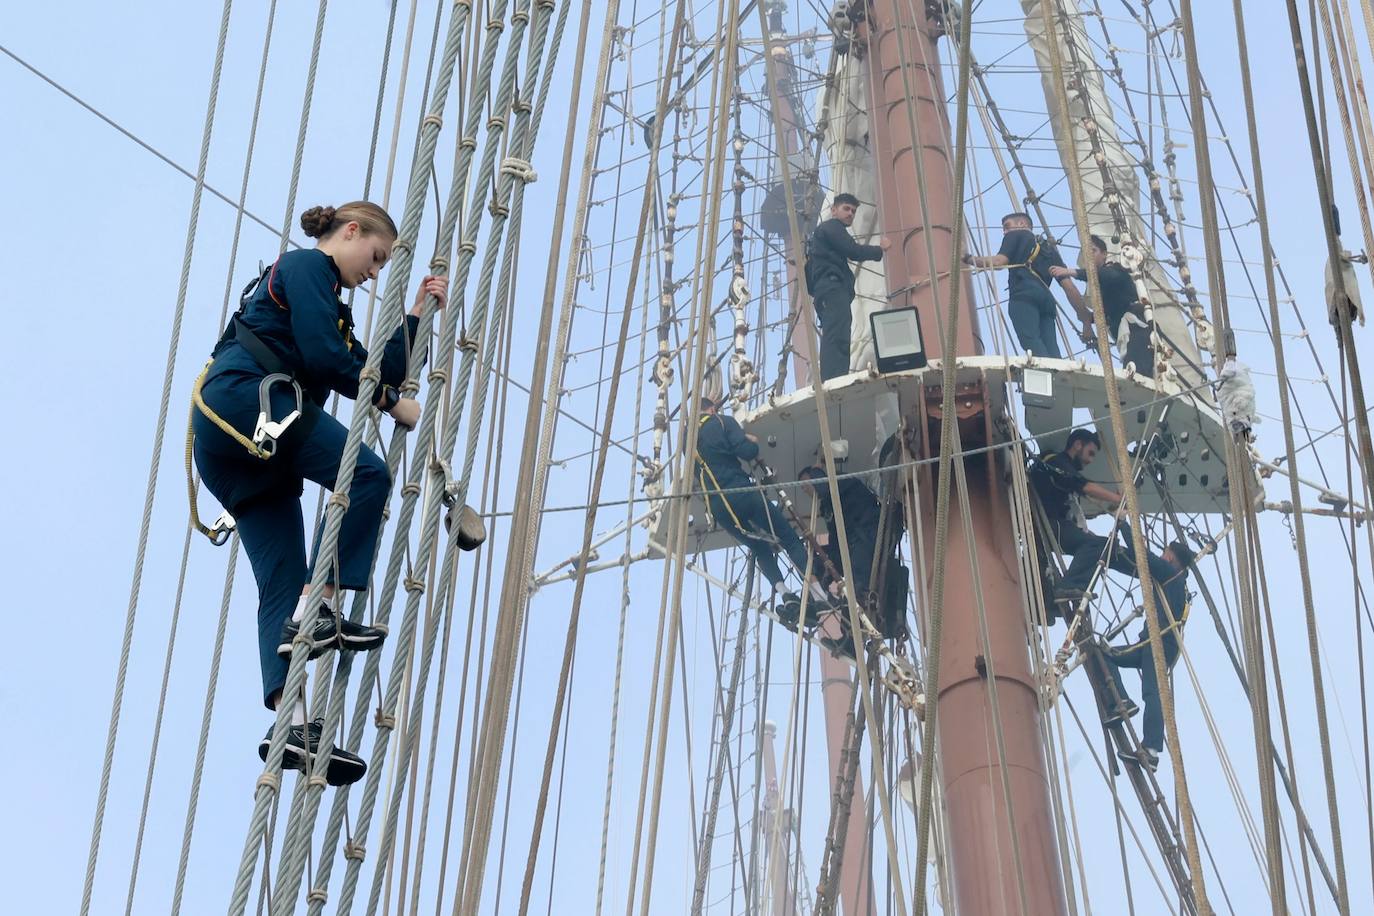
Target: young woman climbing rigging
<point x="260" y="432"/>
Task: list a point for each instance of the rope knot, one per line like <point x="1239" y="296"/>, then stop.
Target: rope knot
<point x="521" y="16"/>
<point x="519" y="168"/>
<point x="438" y="377"/>
<point x="468" y="343"/>
<point x="269" y="781"/>
<point x="355" y="851"/>
<point x="317" y="781"/>
<point x="340" y="500"/>
<point x="467" y="247"/>
<point x="317" y="895"/>
<point x="385" y="720"/>
<point x="410" y="489"/>
<point x="370" y="374"/>
<point x="415" y="585"/>
<point x="496" y="208"/>
<point x="402" y="245"/>
<point x="496" y="26"/>
<point x="434" y="119"/>
<point x="467" y="143"/>
<point x="439" y="264"/>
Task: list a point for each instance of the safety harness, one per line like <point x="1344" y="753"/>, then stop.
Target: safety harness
<point x="267" y="432"/>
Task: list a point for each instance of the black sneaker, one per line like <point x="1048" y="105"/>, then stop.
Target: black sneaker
<point x="1069" y="595"/>
<point x="788" y="611"/>
<point x="330" y="633"/>
<point x="1126" y="710"/>
<point x="301" y="741"/>
<point x="1144" y="757"/>
<point x="843" y="647"/>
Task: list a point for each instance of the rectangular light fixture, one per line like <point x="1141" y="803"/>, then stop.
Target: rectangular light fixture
<point x="1037" y="387"/>
<point x="897" y="339"/>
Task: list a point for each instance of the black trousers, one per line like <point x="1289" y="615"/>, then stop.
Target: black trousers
<point x="756" y="523"/>
<point x="834" y="314"/>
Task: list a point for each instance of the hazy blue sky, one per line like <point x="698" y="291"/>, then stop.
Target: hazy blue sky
<point x="95" y="243"/>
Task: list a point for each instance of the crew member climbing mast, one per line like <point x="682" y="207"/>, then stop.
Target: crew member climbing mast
<point x="830" y="280"/>
<point x="289" y="347"/>
<point x="756" y="523"/>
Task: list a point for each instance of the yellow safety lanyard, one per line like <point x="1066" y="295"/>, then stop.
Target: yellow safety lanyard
<point x="703" y="470"/>
<point x="1035" y="253"/>
<point x="1173" y="625"/>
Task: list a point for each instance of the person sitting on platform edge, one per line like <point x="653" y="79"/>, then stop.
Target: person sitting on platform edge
<point x="1057" y="478"/>
<point x="759" y="525"/>
<point x="1170" y="575"/>
<point x="1030" y="304"/>
<point x="830" y="280"/>
<point x="291" y="345"/>
<point x="1121" y="307"/>
<point x="870" y="535"/>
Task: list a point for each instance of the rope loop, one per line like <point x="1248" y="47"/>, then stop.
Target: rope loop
<point x="496" y="122"/>
<point x="410" y="489"/>
<point x="496" y="26"/>
<point x="438" y="377"/>
<point x="519" y="169"/>
<point x="468" y="143"/>
<point x="467" y="247"/>
<point x="355" y="851"/>
<point x="370" y="374"/>
<point x="385" y="720"/>
<point x="340" y="500"/>
<point x="412" y="584"/>
<point x="317" y="781"/>
<point x="438" y="264"/>
<point x="317" y="895"/>
<point x="402" y="245"/>
<point x="269" y="781"/>
<point x="410" y="386"/>
<point x="434" y="119"/>
<point x="468" y="344"/>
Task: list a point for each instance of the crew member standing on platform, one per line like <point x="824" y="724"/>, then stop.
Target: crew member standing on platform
<point x="830" y="280"/>
<point x="1170" y="575"/>
<point x="1121" y="305"/>
<point x="759" y="525"/>
<point x="287" y="350"/>
<point x="1030" y="303"/>
<point x="1057" y="478"/>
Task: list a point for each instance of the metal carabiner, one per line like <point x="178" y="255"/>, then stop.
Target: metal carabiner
<point x="221" y="530"/>
<point x="268" y="431"/>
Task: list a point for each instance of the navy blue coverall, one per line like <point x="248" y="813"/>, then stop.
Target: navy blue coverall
<point x="297" y="314"/>
<point x="1171" y="613"/>
<point x="752" y="520"/>
<point x="830" y="280"/>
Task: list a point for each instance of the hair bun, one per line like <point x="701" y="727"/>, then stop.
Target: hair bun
<point x="317" y="221"/>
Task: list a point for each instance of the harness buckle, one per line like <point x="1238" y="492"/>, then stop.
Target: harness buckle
<point x="220" y="531"/>
<point x="268" y="431"/>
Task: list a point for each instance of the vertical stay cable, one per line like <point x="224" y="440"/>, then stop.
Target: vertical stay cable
<point x="145" y="526"/>
<point x="1131" y="493"/>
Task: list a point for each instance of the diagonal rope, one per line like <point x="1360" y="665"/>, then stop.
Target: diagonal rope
<point x="145" y="526"/>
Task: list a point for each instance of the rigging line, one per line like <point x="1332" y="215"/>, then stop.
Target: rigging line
<point x="1131" y="493"/>
<point x="503" y="208"/>
<point x="268" y="785"/>
<point x="202" y="185"/>
<point x="145" y="525"/>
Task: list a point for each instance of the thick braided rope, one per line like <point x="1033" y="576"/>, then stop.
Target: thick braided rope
<point x="1147" y="586"/>
<point x="391" y="317"/>
<point x="406" y="634"/>
<point x="478" y="328"/>
<point x="145" y="525"/>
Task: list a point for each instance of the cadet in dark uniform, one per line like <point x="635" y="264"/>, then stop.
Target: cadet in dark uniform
<point x="753" y="521"/>
<point x="1119" y="300"/>
<point x="1057" y="479"/>
<point x="830" y="280"/>
<point x="1170" y="575"/>
<point x="1030" y="303"/>
<point x="861" y="514"/>
<point x="289" y="347"/>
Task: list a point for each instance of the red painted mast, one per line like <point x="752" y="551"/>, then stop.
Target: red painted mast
<point x="983" y="848"/>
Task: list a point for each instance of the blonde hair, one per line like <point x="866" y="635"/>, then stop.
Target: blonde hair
<point x="320" y="222"/>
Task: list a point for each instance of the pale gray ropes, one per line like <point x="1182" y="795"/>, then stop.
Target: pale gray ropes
<point x="172" y="347"/>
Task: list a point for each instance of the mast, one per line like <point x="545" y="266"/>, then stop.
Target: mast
<point x="909" y="119"/>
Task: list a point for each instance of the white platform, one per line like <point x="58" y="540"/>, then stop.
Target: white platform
<point x="863" y="408"/>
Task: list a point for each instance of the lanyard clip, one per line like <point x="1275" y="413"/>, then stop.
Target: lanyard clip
<point x="223" y="527"/>
<point x="268" y="431"/>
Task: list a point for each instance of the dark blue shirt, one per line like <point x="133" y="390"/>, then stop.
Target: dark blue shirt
<point x="1055" y="478"/>
<point x="1029" y="261"/>
<point x="721" y="446"/>
<point x="829" y="249"/>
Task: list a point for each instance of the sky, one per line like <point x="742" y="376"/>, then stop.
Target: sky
<point x="98" y="248"/>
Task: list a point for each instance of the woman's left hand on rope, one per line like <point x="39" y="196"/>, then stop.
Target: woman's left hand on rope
<point x="431" y="286"/>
